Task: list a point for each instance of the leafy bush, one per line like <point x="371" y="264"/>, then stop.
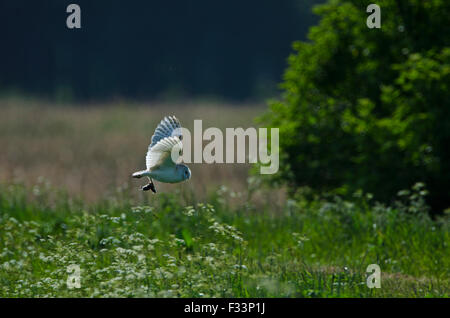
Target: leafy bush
<point x="369" y="108"/>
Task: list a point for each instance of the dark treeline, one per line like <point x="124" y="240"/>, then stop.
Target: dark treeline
<point x="234" y="50"/>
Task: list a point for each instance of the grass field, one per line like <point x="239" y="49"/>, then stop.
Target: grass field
<point x="66" y="198"/>
<point x="90" y="150"/>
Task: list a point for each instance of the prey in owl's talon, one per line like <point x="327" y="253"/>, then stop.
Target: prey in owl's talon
<point x="150" y="186"/>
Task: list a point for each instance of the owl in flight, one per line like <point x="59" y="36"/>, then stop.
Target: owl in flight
<point x="160" y="165"/>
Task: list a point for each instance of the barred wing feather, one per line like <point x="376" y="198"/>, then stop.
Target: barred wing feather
<point x="168" y="127"/>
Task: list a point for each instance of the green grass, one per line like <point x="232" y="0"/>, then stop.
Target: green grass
<point x="314" y="247"/>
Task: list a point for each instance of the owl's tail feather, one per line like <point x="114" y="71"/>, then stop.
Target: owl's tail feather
<point x="139" y="174"/>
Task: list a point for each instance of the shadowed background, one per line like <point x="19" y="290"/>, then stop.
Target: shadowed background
<point x="149" y="49"/>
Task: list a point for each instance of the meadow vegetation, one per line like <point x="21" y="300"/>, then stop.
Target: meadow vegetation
<point x="66" y="198"/>
<point x="164" y="247"/>
<point x="91" y="149"/>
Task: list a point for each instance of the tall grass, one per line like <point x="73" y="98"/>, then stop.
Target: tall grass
<point x="93" y="149"/>
<point x="167" y="248"/>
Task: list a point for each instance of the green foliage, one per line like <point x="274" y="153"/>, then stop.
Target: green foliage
<point x="313" y="247"/>
<point x="369" y="108"/>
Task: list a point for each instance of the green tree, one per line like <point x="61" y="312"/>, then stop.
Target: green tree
<point x="369" y="108"/>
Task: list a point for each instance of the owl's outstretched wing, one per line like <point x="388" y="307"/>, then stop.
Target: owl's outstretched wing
<point x="160" y="155"/>
<point x="168" y="127"/>
<point x="166" y="136"/>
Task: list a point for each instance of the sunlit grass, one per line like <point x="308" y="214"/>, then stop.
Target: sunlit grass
<point x="168" y="248"/>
